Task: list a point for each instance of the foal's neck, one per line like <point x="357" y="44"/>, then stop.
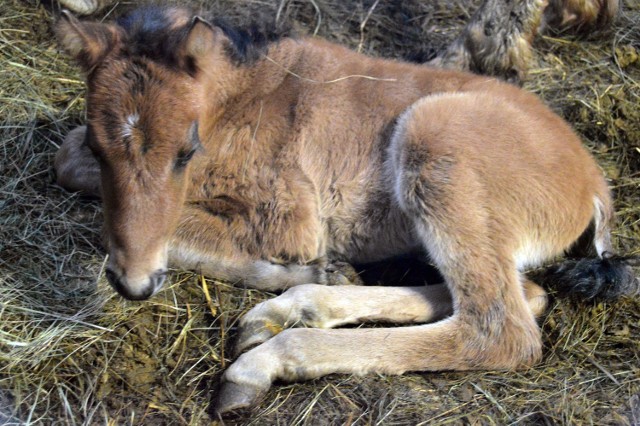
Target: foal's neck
<point x="233" y="88"/>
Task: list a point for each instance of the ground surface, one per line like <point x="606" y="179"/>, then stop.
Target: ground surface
<point x="71" y="352"/>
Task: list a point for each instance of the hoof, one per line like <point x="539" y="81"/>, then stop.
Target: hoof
<point x="253" y="334"/>
<point x="235" y="399"/>
<point x="342" y="273"/>
<point x="82" y="7"/>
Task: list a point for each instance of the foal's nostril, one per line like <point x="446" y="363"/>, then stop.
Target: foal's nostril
<point x="112" y="277"/>
<point x="116" y="283"/>
<point x="120" y="286"/>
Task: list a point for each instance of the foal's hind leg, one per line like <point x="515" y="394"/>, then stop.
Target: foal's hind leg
<point x="77" y="169"/>
<point x="536" y="297"/>
<point x="319" y="306"/>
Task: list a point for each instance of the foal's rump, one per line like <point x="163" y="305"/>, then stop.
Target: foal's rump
<point x="517" y="163"/>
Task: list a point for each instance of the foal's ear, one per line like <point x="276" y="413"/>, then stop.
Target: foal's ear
<point x="202" y="40"/>
<point x="87" y="42"/>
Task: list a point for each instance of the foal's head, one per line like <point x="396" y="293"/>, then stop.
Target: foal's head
<point x="145" y="95"/>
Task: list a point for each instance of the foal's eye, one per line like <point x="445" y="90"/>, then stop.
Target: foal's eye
<point x="183" y="158"/>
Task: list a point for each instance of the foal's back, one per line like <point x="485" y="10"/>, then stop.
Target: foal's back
<point x="536" y="179"/>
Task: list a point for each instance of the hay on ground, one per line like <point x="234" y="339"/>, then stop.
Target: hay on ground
<point x="73" y="352"/>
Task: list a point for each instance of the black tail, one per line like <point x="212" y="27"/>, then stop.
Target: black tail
<point x="604" y="278"/>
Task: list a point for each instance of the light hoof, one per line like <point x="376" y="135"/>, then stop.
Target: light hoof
<point x="82" y="7"/>
<point x="254" y="333"/>
<point x="235" y="399"/>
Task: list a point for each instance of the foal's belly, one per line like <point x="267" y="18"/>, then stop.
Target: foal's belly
<point x="377" y="234"/>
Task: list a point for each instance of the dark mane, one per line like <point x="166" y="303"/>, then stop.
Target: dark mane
<point x="248" y="44"/>
<point x="151" y="32"/>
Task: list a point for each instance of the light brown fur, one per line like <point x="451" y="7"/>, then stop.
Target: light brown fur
<point x="316" y="154"/>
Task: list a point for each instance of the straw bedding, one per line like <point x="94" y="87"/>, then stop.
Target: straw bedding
<point x="72" y="352"/>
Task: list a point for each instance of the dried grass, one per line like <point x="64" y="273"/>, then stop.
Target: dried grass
<point x="72" y="352"/>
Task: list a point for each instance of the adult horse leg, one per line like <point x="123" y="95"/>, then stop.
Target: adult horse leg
<point x="497" y="40"/>
<point x="579" y="15"/>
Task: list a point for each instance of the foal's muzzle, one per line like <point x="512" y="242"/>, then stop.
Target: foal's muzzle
<point x="121" y="286"/>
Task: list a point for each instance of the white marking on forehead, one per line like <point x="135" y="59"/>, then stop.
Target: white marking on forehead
<point x="130" y="123"/>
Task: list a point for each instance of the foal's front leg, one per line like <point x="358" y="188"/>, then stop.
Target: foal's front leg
<point x="318" y="306"/>
<point x="210" y="245"/>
